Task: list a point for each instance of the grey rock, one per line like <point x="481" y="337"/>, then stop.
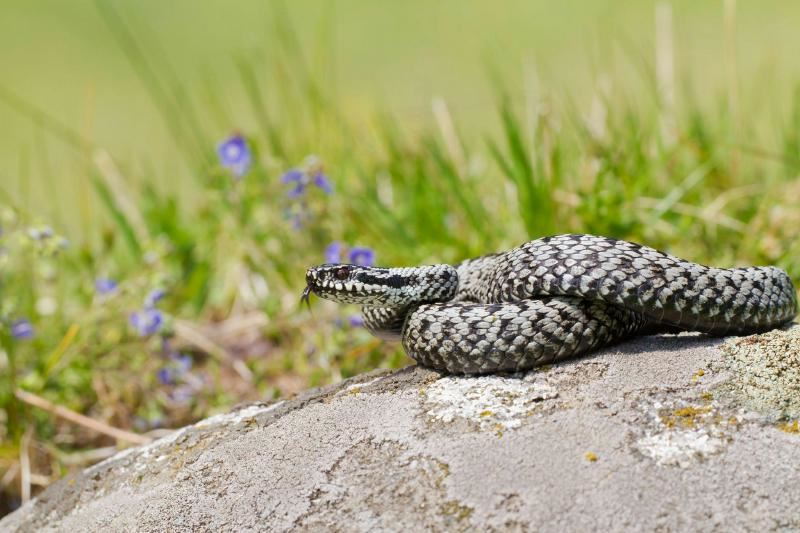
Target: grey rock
<point x="660" y="433"/>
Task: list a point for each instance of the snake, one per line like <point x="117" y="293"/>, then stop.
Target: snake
<point x="551" y="299"/>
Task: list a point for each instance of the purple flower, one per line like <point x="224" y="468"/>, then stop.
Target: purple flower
<point x="292" y="175"/>
<point x="323" y="182"/>
<point x="361" y="256"/>
<point x="165" y="376"/>
<point x="298" y="179"/>
<point x="301" y="180"/>
<point x="153" y="298"/>
<point x="147" y="321"/>
<point x="105" y="285"/>
<point x="356" y="321"/>
<point x="333" y="252"/>
<point x="183" y="363"/>
<point x="234" y="154"/>
<point x="22" y="329"/>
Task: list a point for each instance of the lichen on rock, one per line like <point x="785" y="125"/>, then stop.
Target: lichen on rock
<point x="489" y="401"/>
<point x="766" y="371"/>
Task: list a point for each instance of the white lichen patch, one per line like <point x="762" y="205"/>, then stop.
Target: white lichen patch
<point x="679" y="448"/>
<point x="492" y="402"/>
<point x="680" y="434"/>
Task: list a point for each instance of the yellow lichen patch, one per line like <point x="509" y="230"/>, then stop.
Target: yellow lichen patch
<point x="790" y="427"/>
<point x="354" y="391"/>
<point x="707" y="396"/>
<point x="456" y="510"/>
<point x="697" y="375"/>
<point x="445" y="471"/>
<point x="484" y="414"/>
<point x="684" y="417"/>
<point x="690" y="411"/>
<point x="591" y="457"/>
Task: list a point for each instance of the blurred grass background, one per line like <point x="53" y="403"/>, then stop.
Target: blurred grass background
<point x="447" y="130"/>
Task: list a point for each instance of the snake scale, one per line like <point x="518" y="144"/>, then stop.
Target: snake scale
<point x="550" y="299"/>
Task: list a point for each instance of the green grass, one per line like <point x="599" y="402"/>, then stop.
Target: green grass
<point x="708" y="180"/>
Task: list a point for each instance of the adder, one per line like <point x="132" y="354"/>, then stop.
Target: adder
<point x="550" y="299"/>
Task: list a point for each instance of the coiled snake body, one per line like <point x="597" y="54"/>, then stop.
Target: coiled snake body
<point x="551" y="299"/>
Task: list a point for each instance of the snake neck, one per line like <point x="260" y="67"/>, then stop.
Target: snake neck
<point x="472" y="285"/>
<point x="383" y="287"/>
<point x="416" y="286"/>
<point x="413" y="286"/>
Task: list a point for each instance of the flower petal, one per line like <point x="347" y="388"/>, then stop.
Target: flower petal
<point x="322" y="181"/>
<point x="147" y="321"/>
<point x="165" y="376"/>
<point x="105" y="285"/>
<point x="362" y="256"/>
<point x="333" y="252"/>
<point x="235" y="155"/>
<point x="292" y="176"/>
<point x="153" y="297"/>
<point x="22" y="329"/>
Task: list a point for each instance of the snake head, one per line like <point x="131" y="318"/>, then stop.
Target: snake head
<point x="345" y="283"/>
<point x="386" y="287"/>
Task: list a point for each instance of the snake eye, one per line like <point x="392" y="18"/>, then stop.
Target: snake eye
<point x="341" y="273"/>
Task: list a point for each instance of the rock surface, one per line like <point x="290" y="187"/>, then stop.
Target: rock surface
<point x="669" y="433"/>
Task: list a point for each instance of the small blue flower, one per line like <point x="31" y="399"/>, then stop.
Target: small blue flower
<point x="361" y="256"/>
<point x="147" y="321"/>
<point x="105" y="285"/>
<point x="292" y="175"/>
<point x="323" y="182"/>
<point x="183" y="363"/>
<point x="22" y="329"/>
<point x="165" y="376"/>
<point x="153" y="297"/>
<point x="333" y="252"/>
<point x="234" y="154"/>
<point x="296" y="191"/>
<point x="356" y="321"/>
<point x="300" y="181"/>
